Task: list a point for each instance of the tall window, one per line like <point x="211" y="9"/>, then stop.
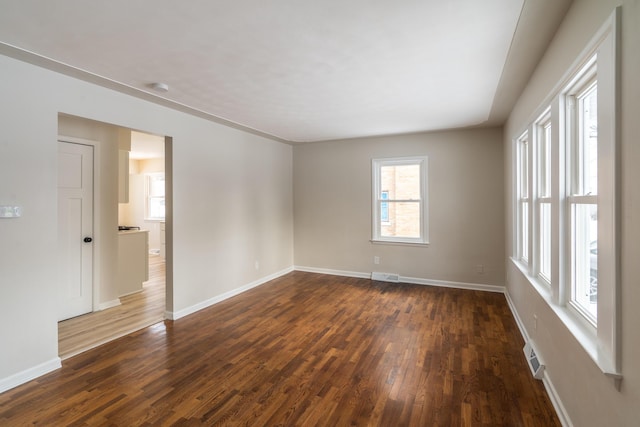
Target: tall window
<point x="543" y="200"/>
<point x="154" y="192"/>
<point x="582" y="179"/>
<point x="523" y="197"/>
<point x="400" y="200"/>
<point x="569" y="186"/>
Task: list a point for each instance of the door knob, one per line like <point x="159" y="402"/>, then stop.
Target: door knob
<point x="88" y="239"/>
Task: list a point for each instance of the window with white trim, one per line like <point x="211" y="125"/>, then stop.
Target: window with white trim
<point x="400" y="200"/>
<point x="565" y="200"/>
<point x="154" y="196"/>
<point x="581" y="122"/>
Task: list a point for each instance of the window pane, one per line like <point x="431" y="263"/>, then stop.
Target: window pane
<point x="401" y="182"/>
<point x="545" y="161"/>
<point x="545" y="241"/>
<point x="584" y="258"/>
<point x="588" y="157"/>
<point x="156" y="185"/>
<point x="524" y="170"/>
<point x="403" y="220"/>
<point x="524" y="249"/>
<point x="156" y="207"/>
<point x="384" y="207"/>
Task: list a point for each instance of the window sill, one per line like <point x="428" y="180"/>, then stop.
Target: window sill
<point x="580" y="328"/>
<point x="398" y="243"/>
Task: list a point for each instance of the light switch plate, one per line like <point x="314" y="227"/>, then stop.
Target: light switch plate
<point x="10" y="211"/>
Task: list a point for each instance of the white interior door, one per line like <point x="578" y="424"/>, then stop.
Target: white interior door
<point x="75" y="229"/>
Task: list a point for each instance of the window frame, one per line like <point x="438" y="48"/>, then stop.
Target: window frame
<point x="376" y="167"/>
<point x="602" y="341"/>
<point x="543" y="138"/>
<point x="148" y="196"/>
<point x="576" y="195"/>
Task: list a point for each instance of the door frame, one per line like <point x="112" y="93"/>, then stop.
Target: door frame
<point x="97" y="237"/>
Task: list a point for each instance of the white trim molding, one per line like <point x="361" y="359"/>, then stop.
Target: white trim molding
<point x="175" y="315"/>
<point x="109" y="304"/>
<point x="404" y="279"/>
<point x="332" y="272"/>
<point x="455" y="285"/>
<point x="27" y="375"/>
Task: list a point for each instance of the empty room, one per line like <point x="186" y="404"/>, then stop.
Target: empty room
<point x="414" y="213"/>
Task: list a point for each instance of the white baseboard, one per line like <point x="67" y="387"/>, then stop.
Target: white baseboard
<point x="175" y="315"/>
<point x="132" y="292"/>
<point x="563" y="416"/>
<point x="113" y="303"/>
<point x="455" y="285"/>
<point x="403" y="279"/>
<point x="332" y="272"/>
<point x="516" y="316"/>
<point x="29" y="374"/>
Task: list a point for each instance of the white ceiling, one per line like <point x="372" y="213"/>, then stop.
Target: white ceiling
<point x="298" y="70"/>
<point x="146" y="146"/>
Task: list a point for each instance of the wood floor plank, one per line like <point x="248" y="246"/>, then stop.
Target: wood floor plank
<point x="304" y="349"/>
<point x="136" y="311"/>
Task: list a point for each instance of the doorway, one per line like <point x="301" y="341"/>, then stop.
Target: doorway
<point x="115" y="313"/>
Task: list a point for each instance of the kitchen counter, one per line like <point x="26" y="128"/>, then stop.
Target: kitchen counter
<point x="132" y="231"/>
<point x="133" y="261"/>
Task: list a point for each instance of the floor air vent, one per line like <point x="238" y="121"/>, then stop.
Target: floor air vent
<point x="536" y="366"/>
<point x="385" y="277"/>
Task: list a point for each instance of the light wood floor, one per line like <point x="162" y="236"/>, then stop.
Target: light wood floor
<point x="136" y="311"/>
<point x="304" y="350"/>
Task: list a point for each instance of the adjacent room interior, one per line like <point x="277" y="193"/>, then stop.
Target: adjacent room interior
<point x="140" y="275"/>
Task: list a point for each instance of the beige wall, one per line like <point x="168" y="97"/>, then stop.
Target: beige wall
<point x="589" y="398"/>
<point x="332" y="206"/>
<point x="232" y="196"/>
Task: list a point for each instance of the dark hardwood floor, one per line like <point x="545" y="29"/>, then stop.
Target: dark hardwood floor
<point x="305" y="349"/>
